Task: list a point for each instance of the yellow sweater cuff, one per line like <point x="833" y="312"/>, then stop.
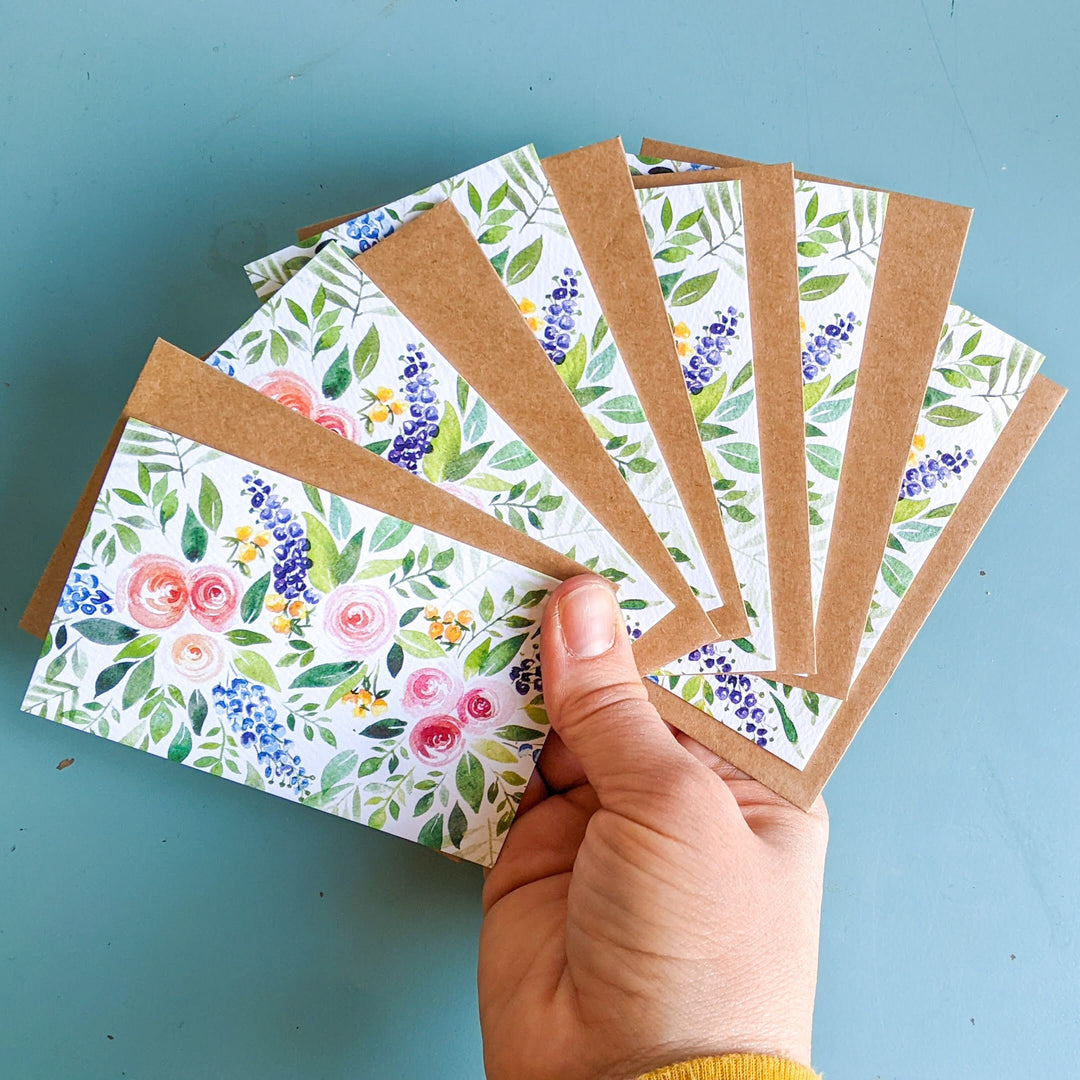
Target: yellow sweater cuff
<point x="734" y="1067"/>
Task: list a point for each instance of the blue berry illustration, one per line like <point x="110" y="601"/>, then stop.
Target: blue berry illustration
<point x="291" y="561"/>
<point x="561" y="314"/>
<point x="824" y="346"/>
<point x="368" y="229"/>
<point x="421" y="427"/>
<point x="711" y="658"/>
<point x="218" y="361"/>
<point x="711" y="348"/>
<point x="83" y="592"/>
<point x="933" y="470"/>
<point x="526" y="676"/>
<point x="251" y="714"/>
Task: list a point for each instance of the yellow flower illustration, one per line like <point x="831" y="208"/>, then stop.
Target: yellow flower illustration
<point x="681" y="330"/>
<point x="281" y="624"/>
<point x="384" y="393"/>
<point x="526" y="307"/>
<point x="435" y="630"/>
<point x="275" y="602"/>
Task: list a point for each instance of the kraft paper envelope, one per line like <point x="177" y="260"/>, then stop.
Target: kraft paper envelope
<point x="972" y="512"/>
<point x="920" y="253"/>
<point x="436" y="274"/>
<point x="768" y="218"/>
<point x="179" y="393"/>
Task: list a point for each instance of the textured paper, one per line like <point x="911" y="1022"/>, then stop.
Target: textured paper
<point x="329" y="345"/>
<point x="767" y="204"/>
<point x="919" y="255"/>
<point x="514" y="215"/>
<point x="180" y="393"/>
<point x="235" y="620"/>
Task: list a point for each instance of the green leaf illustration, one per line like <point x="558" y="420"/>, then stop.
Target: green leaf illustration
<point x="573" y="367"/>
<point x="252" y="601"/>
<point x="817" y="288"/>
<point x="323" y="553"/>
<point x="418" y="644"/>
<point x="951" y="416"/>
<point x="338" y="768"/>
<point x="193" y="538"/>
<point x="826" y="459"/>
<point x="693" y="289"/>
<point x="108" y="677"/>
<point x="625" y="409"/>
<point x="325" y="674"/>
<point x="742" y="456"/>
<point x="463" y="464"/>
<point x="445" y="447"/>
<point x="338" y="376"/>
<point x="345" y="565"/>
<point x="457" y="825"/>
<point x="495" y="751"/>
<point x="105" y="631"/>
<point x="790" y="731"/>
<point x="256" y="667"/>
<point x="826" y="412"/>
<point x="197" y="710"/>
<point x="514" y="455"/>
<point x="431" y="835"/>
<point x="524" y="262"/>
<point x="470" y="780"/>
<point x="180" y="747"/>
<point x="210" y="509"/>
<point x="501" y="655"/>
<point x="732" y="408"/>
<point x="367" y="354"/>
<point x="909" y="508"/>
<point x="389" y="533"/>
<point x="895" y="574"/>
<point x="246" y="637"/>
<point x="813" y="392"/>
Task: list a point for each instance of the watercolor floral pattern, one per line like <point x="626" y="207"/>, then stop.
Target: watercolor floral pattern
<point x="253" y="627"/>
<point x="981" y="373"/>
<point x="515" y="217"/>
<point x="696" y="235"/>
<point x="329" y="345"/>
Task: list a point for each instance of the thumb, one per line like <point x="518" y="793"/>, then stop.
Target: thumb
<point x="595" y="698"/>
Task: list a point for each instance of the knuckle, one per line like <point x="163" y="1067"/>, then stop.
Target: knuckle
<point x="607" y="701"/>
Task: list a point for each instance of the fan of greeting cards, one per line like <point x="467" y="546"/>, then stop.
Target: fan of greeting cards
<point x="315" y="561"/>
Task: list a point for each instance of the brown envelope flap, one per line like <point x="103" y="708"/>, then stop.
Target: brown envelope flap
<point x="1017" y="438"/>
<point x="593" y="189"/>
<point x="768" y="199"/>
<point x="438" y="276"/>
<point x="178" y="392"/>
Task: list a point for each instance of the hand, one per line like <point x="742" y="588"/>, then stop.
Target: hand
<point x="651" y="903"/>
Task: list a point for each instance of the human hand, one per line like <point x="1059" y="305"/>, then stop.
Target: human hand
<point x="651" y="904"/>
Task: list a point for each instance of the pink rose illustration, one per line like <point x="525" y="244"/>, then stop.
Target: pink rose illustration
<point x="214" y="597"/>
<point x="335" y="420"/>
<point x="288" y="389"/>
<point x="437" y="740"/>
<point x="360" y="618"/>
<point x="197" y="657"/>
<point x="429" y="690"/>
<point x="156" y="591"/>
<point x="484" y="705"/>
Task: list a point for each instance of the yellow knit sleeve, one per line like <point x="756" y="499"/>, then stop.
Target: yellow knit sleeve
<point x="734" y="1067"/>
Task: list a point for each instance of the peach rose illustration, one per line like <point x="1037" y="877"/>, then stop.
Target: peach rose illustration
<point x="436" y="740"/>
<point x="484" y="704"/>
<point x="360" y="618"/>
<point x="335" y="420"/>
<point x="197" y="657"/>
<point x="214" y="597"/>
<point x="288" y="389"/>
<point x="156" y="591"/>
<point x="429" y="690"/>
<point x="465" y="494"/>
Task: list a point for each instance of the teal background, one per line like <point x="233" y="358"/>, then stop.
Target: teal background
<point x="148" y="150"/>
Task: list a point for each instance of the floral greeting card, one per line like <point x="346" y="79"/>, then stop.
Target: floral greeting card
<point x="696" y="235"/>
<point x="980" y="377"/>
<point x="248" y="625"/>
<point x="515" y="217"/>
<point x="330" y="346"/>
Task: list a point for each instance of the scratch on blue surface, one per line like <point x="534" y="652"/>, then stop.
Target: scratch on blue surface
<point x="952" y="88"/>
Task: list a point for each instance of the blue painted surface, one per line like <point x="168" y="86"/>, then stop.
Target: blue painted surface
<point x="147" y="151"/>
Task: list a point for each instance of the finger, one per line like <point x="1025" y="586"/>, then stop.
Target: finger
<point x="561" y="769"/>
<point x="596" y="700"/>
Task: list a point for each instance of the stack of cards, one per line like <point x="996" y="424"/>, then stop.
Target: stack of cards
<point x="315" y="562"/>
